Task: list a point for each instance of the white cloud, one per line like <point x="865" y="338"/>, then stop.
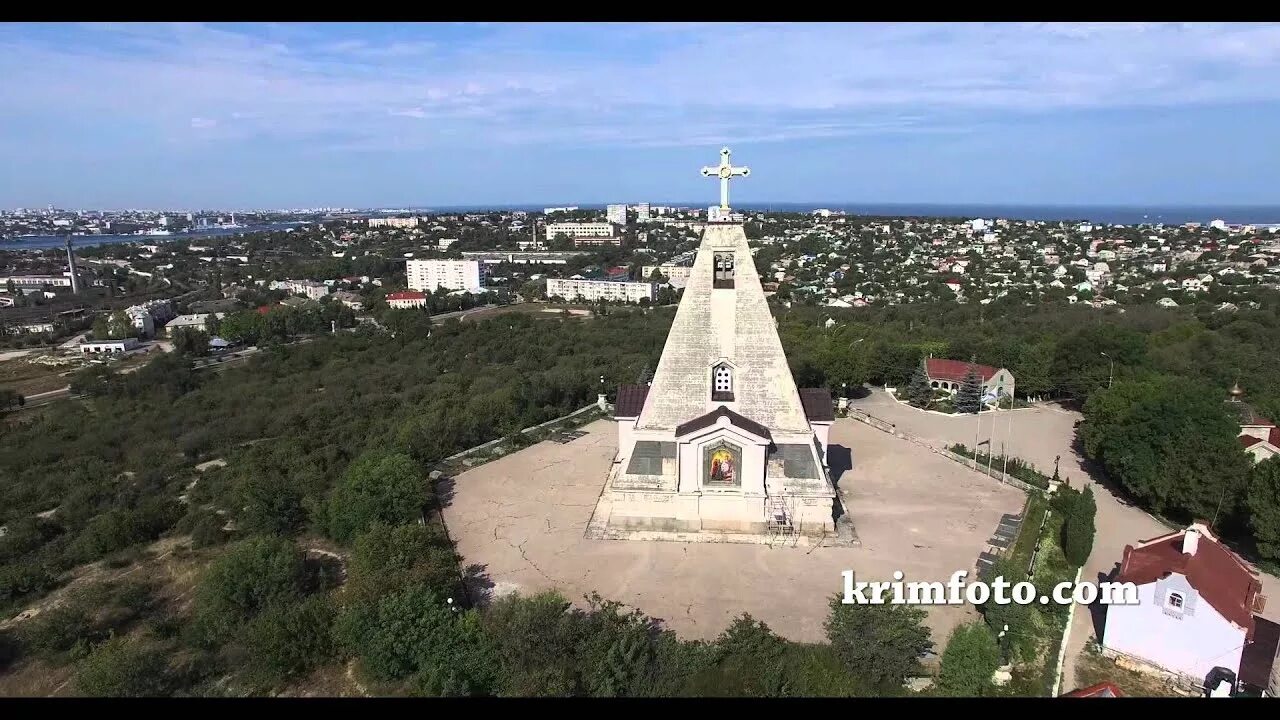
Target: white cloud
<point x="637" y="84"/>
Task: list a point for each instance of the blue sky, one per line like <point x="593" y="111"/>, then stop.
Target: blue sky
<point x="298" y="115"/>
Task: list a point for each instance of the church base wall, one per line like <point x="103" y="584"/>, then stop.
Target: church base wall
<point x="814" y="516"/>
<point x="680" y="513"/>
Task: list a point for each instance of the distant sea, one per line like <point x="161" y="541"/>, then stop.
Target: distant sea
<point x="1105" y="214"/>
<point x="1102" y="214"/>
<point x="44" y="242"/>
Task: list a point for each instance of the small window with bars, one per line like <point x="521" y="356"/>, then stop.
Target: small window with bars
<point x="722" y="383"/>
<point x="723" y="279"/>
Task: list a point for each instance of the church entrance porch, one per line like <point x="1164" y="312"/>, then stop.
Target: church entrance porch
<point x="718" y="516"/>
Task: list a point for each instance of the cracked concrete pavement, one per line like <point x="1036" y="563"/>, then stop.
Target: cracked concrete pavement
<point x="522" y="518"/>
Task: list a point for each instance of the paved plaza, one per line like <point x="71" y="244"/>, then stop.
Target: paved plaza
<point x="521" y="519"/>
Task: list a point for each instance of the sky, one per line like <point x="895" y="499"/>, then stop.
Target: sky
<point x="388" y="115"/>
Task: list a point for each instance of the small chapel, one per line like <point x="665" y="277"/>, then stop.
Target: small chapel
<point x="722" y="440"/>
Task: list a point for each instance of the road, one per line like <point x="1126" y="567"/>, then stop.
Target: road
<point x="1039" y="435"/>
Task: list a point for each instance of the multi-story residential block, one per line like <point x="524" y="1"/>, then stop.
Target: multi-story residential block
<point x="431" y="275"/>
<point x="410" y="222"/>
<point x="593" y="290"/>
<point x="580" y="230"/>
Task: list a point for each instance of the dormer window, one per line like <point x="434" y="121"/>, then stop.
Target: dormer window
<point x="723" y="278"/>
<point x="1174" y="601"/>
<point x="722" y="383"/>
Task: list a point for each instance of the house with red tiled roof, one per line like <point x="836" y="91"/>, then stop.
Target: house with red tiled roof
<point x="949" y="375"/>
<point x="1259" y="436"/>
<point x="1195" y="609"/>
<point x="407" y="299"/>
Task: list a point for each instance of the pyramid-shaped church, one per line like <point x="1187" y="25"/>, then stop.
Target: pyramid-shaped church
<point x="722" y="440"/>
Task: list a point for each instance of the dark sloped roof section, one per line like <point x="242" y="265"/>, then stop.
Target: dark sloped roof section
<point x="710" y="419"/>
<point x="1260" y="655"/>
<point x="817" y="404"/>
<point x="630" y="400"/>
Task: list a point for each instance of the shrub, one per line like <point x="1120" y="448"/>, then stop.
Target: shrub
<point x="413" y="631"/>
<point x="378" y="487"/>
<point x="58" y="630"/>
<point x="10" y="650"/>
<point x="388" y="558"/>
<point x="968" y="662"/>
<point x="122" y="668"/>
<point x="289" y="639"/>
<point x="249" y="577"/>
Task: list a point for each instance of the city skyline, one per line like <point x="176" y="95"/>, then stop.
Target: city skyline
<point x="271" y="115"/>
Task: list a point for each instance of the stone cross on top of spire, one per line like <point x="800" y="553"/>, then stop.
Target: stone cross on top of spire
<point x="725" y="171"/>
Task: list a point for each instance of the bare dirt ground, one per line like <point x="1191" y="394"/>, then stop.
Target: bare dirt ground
<point x="521" y="519"/>
<point x="28" y="378"/>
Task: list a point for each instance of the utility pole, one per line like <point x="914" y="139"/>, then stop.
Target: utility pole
<point x="1111" y="371"/>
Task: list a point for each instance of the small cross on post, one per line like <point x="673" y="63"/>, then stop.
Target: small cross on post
<point x="724" y="171"/>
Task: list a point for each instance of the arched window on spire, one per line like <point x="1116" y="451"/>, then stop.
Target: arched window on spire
<point x="722" y="383"/>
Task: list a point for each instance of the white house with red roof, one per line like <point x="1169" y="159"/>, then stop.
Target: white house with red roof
<point x="1259" y="436"/>
<point x="949" y="375"/>
<point x="1196" y="605"/>
<point x="407" y="299"/>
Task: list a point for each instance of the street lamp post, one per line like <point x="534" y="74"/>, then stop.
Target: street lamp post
<point x="1111" y="371"/>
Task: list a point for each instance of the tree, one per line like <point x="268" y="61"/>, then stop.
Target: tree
<point x="968" y="662"/>
<point x="969" y="396"/>
<point x="879" y="644"/>
<point x="275" y="483"/>
<point x="249" y="577"/>
<point x="190" y="342"/>
<point x="379" y="486"/>
<point x="101" y="328"/>
<point x="1078" y="528"/>
<point x="919" y="393"/>
<point x="120" y="325"/>
<point x="1170" y="443"/>
<point x="1263" y="501"/>
<point x="246" y="326"/>
<point x="121" y="667"/>
<point x="534" y="290"/>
